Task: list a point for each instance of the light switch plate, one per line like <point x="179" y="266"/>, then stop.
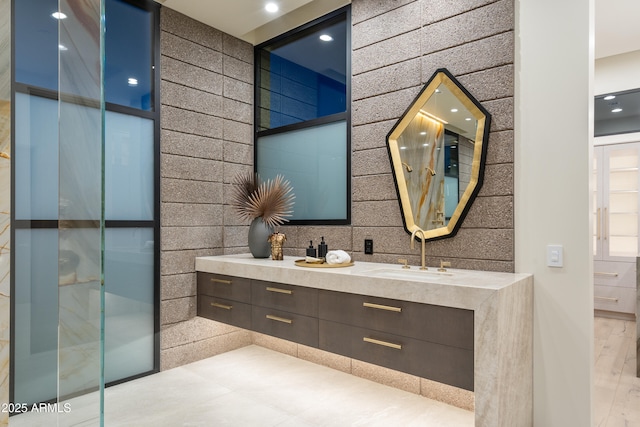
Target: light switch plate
<point x="554" y="256"/>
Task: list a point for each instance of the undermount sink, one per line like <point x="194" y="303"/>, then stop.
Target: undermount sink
<point x="407" y="274"/>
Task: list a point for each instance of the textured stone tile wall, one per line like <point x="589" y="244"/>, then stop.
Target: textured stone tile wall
<point x="206" y="138"/>
<point x="396" y="48"/>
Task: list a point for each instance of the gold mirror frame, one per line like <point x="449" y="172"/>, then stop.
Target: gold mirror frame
<point x="441" y="79"/>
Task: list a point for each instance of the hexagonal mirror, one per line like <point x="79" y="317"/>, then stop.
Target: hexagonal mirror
<point x="437" y="151"/>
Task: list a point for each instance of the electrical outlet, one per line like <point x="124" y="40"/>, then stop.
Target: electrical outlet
<point x="368" y="246"/>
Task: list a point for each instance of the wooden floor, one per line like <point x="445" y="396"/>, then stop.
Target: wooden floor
<point x="616" y="393"/>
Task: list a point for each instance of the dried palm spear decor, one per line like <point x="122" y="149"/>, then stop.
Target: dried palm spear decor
<point x="271" y="200"/>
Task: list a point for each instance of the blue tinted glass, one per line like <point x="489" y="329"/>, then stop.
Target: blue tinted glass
<point x="128" y="63"/>
<point x="304" y="77"/>
<point x="128" y="76"/>
<point x="36" y="43"/>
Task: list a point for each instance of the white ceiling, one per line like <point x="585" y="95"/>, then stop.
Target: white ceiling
<point x="617" y="26"/>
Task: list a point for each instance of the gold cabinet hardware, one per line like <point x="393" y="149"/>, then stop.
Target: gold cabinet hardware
<point x="279" y="319"/>
<point x="383" y="343"/>
<point x="444" y="264"/>
<point x="382" y="307"/>
<point x="224" y="306"/>
<point x="608" y="299"/>
<point x="405" y="262"/>
<point x="226" y="282"/>
<point x="280" y="291"/>
<point x="602" y="273"/>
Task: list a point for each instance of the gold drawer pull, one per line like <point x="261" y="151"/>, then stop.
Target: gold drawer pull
<point x="601" y="273"/>
<point x="280" y="291"/>
<point x="226" y="282"/>
<point x="382" y="307"/>
<point x="279" y="319"/>
<point x="224" y="306"/>
<point x="608" y="299"/>
<point x="384" y="343"/>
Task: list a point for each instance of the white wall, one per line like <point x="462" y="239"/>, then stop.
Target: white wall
<point x="553" y="145"/>
<point x="617" y="73"/>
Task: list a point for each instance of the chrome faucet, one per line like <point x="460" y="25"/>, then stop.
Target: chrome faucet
<point x="422" y="251"/>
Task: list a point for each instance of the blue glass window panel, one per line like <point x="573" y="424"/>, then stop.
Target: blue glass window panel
<point x="303" y="78"/>
<point x="314" y="161"/>
<point x="129" y="314"/>
<point x="36" y="315"/>
<point x="128" y="50"/>
<point x="128" y="55"/>
<point x="36" y="157"/>
<point x="36" y="43"/>
<point x="129" y="171"/>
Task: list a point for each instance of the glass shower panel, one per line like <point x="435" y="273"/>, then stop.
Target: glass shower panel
<point x="81" y="219"/>
<point x="128" y="302"/>
<point x="36" y="316"/>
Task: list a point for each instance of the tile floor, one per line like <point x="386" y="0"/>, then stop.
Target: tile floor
<point x="254" y="386"/>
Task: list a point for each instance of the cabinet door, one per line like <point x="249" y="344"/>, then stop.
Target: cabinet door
<point x="621" y="181"/>
<point x="615" y="182"/>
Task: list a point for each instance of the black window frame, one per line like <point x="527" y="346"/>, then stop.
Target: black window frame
<point x="333" y="118"/>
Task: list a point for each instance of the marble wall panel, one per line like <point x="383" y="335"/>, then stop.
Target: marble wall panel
<point x="5" y="202"/>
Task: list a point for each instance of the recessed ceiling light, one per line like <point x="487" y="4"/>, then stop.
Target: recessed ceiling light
<point x="468" y="119"/>
<point x="326" y="38"/>
<point x="616" y="110"/>
<point x="423" y="133"/>
<point x="454" y="110"/>
<point x="62" y="47"/>
<point x="425" y="145"/>
<point x="271" y="7"/>
<point x="403" y="148"/>
<point x="58" y="15"/>
<point x="609" y="97"/>
<point x="132" y="81"/>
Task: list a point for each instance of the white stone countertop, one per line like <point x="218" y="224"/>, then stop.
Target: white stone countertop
<point x="466" y="289"/>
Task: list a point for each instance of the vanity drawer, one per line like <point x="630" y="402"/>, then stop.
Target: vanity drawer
<point x="437" y="324"/>
<point x="615" y="273"/>
<point x="445" y="364"/>
<point x="225" y="311"/>
<point x="285" y="325"/>
<point x="612" y="298"/>
<point x="228" y="287"/>
<point x="293" y="299"/>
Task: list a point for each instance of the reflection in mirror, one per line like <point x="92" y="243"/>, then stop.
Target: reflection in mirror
<point x="437" y="151"/>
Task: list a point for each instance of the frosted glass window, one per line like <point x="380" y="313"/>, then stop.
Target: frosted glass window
<point x="80" y="157"/>
<point x="314" y="161"/>
<point x="36" y="315"/>
<point x="36" y="157"/>
<point x="129" y="167"/>
<point x="129" y="291"/>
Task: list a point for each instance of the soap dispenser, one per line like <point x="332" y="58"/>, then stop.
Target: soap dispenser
<point x="311" y="251"/>
<point x="322" y="249"/>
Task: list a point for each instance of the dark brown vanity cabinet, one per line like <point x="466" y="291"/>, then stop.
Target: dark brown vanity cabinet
<point x="225" y="299"/>
<point x="425" y="340"/>
<point x="285" y="311"/>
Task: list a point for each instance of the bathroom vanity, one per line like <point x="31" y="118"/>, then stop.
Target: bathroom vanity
<point x="471" y="330"/>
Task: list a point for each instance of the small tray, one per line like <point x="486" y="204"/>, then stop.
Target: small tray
<point x="303" y="263"/>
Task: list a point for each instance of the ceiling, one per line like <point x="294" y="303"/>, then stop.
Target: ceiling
<point x="617" y="29"/>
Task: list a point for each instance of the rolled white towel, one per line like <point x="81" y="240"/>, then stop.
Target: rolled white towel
<point x="337" y="257"/>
